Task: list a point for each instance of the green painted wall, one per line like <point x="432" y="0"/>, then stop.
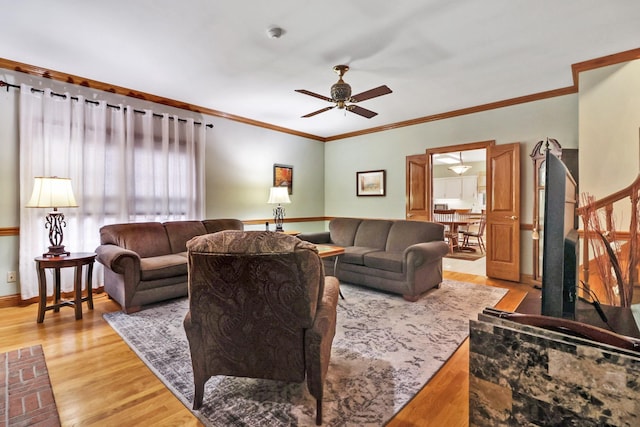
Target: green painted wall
<point x="609" y="125"/>
<point x="240" y="157"/>
<point x="525" y="123"/>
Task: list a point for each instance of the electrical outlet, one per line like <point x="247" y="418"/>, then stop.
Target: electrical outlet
<point x="11" y="276"/>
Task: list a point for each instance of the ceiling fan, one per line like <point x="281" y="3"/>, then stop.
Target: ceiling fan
<point x="341" y="95"/>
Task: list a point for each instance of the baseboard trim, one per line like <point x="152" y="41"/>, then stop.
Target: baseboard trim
<point x="10" y="301"/>
<point x="527" y="279"/>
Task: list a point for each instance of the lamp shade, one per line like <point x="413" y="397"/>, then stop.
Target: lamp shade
<point x="279" y="195"/>
<point x="52" y="192"/>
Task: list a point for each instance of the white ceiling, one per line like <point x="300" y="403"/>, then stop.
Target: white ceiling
<point x="436" y="55"/>
<point x="453" y="157"/>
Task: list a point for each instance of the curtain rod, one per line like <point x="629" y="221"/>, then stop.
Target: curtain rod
<point x="8" y="85"/>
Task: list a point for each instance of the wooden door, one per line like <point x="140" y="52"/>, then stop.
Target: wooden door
<point x="503" y="212"/>
<point x="417" y="207"/>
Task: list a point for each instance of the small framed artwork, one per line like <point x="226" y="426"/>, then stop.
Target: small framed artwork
<point x="371" y="183"/>
<point x="283" y="176"/>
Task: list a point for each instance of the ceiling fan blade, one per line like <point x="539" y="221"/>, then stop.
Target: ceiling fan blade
<point x="318" y="112"/>
<point x="361" y="111"/>
<point x="315" y="95"/>
<point x="372" y="93"/>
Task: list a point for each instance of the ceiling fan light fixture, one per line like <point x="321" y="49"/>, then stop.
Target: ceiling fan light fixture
<point x="461" y="168"/>
<point x="341" y="95"/>
<point x="340" y="91"/>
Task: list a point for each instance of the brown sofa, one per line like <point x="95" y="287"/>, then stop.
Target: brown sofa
<point x="259" y="307"/>
<point x="147" y="262"/>
<point x="403" y="257"/>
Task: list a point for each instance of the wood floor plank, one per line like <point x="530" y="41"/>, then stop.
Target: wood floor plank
<point x="97" y="380"/>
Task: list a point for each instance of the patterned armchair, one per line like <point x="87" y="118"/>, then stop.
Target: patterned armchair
<point x="259" y="307"/>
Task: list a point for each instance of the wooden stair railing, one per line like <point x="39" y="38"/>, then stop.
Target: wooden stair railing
<point x="604" y="208"/>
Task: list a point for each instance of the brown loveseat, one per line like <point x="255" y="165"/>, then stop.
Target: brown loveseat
<point x="147" y="262"/>
<point x="403" y="257"/>
<point x="259" y="307"/>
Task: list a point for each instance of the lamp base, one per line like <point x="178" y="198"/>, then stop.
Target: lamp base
<point x="55" y="251"/>
<point x="278" y="217"/>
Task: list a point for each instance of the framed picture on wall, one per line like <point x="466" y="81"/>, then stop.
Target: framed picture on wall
<point x="283" y="176"/>
<point x="371" y="183"/>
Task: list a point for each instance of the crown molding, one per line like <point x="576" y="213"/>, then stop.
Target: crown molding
<point x="460" y="112"/>
<point x="603" y="61"/>
<point x="34" y="70"/>
<point x="576" y="68"/>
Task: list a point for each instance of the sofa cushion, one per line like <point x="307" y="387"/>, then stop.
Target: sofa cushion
<point x="147" y="239"/>
<point x="383" y="260"/>
<point x="162" y="266"/>
<point x="406" y="233"/>
<point x="343" y="230"/>
<point x="372" y="233"/>
<point x="180" y="232"/>
<point x="355" y="254"/>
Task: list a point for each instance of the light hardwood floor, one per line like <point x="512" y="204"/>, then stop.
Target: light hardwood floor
<point x="98" y="381"/>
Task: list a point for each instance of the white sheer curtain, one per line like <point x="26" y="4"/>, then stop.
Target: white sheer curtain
<point x="124" y="166"/>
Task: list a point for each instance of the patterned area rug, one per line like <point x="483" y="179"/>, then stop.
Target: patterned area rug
<point x="384" y="352"/>
<point x="26" y="397"/>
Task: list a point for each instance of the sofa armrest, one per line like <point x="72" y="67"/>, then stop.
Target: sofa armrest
<point x="420" y="253"/>
<point x="117" y="259"/>
<point x="317" y="238"/>
<point x="319" y="338"/>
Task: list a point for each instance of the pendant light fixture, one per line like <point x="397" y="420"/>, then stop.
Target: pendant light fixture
<point x="461" y="168"/>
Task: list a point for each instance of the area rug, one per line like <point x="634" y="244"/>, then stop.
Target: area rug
<point x="466" y="255"/>
<point x="26" y="397"/>
<point x="385" y="350"/>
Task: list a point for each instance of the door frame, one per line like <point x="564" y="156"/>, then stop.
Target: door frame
<point x="448" y="149"/>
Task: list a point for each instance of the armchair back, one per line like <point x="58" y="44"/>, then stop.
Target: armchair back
<point x="259" y="308"/>
<point x="270" y="281"/>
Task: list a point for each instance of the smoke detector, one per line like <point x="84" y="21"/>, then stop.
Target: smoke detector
<point x="275" y="32"/>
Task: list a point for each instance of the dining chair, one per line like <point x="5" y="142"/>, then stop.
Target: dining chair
<point x="476" y="230"/>
<point x="448" y="217"/>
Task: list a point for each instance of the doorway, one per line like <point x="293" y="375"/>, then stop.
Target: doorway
<point x="432" y="185"/>
<point x="457" y="182"/>
<point x="502" y="229"/>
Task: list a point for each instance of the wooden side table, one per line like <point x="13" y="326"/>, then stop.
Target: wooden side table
<point x="328" y="251"/>
<point x="77" y="260"/>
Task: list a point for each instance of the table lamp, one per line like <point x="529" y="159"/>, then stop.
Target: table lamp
<point x="278" y="195"/>
<point x="53" y="192"/>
